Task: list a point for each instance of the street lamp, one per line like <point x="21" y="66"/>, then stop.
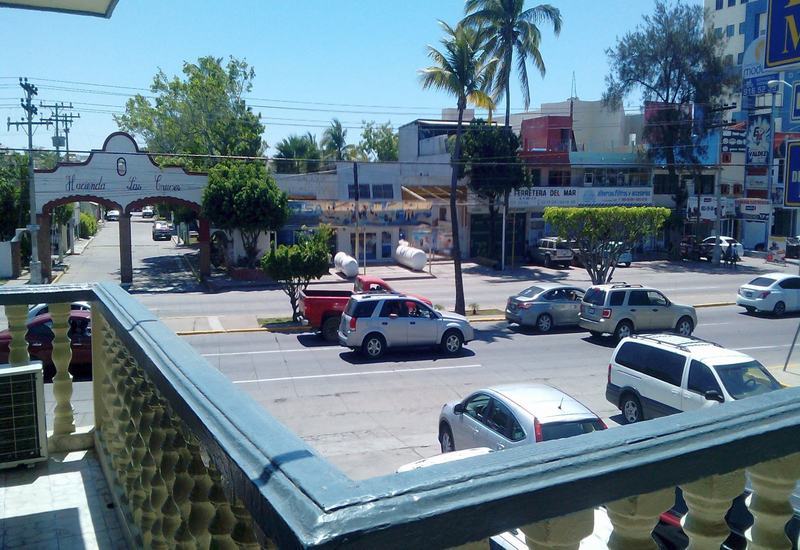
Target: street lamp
<point x="773" y="88"/>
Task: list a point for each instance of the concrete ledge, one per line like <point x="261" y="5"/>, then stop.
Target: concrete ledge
<point x="80" y="440"/>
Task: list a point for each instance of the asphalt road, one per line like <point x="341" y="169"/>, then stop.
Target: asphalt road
<point x="368" y="418"/>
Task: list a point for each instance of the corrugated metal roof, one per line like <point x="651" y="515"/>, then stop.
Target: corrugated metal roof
<point x="97" y="8"/>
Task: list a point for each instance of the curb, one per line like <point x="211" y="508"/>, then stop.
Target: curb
<point x="714" y="304"/>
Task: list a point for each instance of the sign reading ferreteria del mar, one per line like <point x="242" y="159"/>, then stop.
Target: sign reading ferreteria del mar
<point x="119" y="174"/>
<point x="540" y="197"/>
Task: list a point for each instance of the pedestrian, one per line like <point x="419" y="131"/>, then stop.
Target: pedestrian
<point x="729" y="255"/>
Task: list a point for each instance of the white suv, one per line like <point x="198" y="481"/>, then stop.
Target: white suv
<point x="661" y="374"/>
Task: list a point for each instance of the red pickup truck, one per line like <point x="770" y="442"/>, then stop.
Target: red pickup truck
<point x="322" y="309"/>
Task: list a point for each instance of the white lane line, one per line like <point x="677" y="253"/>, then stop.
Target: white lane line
<point x="714" y="324"/>
<point x="363" y="373"/>
<point x="215" y="324"/>
<point x="262" y="352"/>
<point x="763" y="347"/>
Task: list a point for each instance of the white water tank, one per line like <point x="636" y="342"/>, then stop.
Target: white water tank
<point x="346" y="264"/>
<point x="410" y="257"/>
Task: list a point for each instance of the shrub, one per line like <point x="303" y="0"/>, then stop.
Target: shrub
<point x="88" y="226"/>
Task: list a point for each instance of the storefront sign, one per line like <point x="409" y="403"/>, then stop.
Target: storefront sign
<point x="541" y="197"/>
<point x="783" y="34"/>
<point x="707" y="209"/>
<point x="754" y="79"/>
<point x="752" y="209"/>
<point x="734" y="141"/>
<point x="390" y="213"/>
<point x="759" y="132"/>
<point x="756" y="182"/>
<point x="791" y="196"/>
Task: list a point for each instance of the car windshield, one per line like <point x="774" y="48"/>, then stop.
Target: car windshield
<point x="762" y="281"/>
<point x="595" y="296"/>
<point x="530" y="292"/>
<point x="746" y="379"/>
<point x="560" y="430"/>
<point x="562" y="245"/>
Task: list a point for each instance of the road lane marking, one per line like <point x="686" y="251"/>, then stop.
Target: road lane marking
<point x="714" y="324"/>
<point x="362" y="373"/>
<point x="261" y="352"/>
<point x="215" y="323"/>
<point x="763" y="347"/>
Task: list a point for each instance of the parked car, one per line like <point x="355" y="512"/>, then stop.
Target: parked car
<point x="112" y="215"/>
<point x="513" y="415"/>
<point x="545" y="305"/>
<point x="40" y="339"/>
<point x="662" y="374"/>
<point x="625" y="257"/>
<point x="776" y="293"/>
<point x="708" y="244"/>
<point x="621" y="309"/>
<point x="322" y="309"/>
<point x="162" y="231"/>
<point x="551" y="251"/>
<point x="148" y="212"/>
<point x="41" y="309"/>
<point x="372" y="323"/>
<point x="793" y="247"/>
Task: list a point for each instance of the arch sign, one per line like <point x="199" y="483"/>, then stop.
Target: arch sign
<point x="118" y="176"/>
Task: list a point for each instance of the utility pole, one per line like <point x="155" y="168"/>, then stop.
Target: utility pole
<point x="59" y="119"/>
<point x="717" y="255"/>
<point x="33" y="227"/>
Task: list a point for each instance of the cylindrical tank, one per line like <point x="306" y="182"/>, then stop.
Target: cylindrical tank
<point x="410" y="257"/>
<point x="346" y="264"/>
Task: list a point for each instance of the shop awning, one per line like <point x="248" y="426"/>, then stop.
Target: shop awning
<point x="432" y="193"/>
<point x="97" y="8"/>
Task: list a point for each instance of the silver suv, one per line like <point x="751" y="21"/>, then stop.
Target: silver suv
<point x="373" y="322"/>
<point x="622" y="309"/>
<point x="550" y="251"/>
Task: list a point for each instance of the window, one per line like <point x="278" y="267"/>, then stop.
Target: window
<point x="588" y="177"/>
<point x="476" y="406"/>
<point x="731" y="3"/>
<point x="443" y="213"/>
<point x="363" y="190"/>
<point x="662" y="185"/>
<point x="638" y="298"/>
<point x="741" y="27"/>
<point x="746" y="379"/>
<point x="536" y="177"/>
<point x="394" y="307"/>
<point x="360" y="309"/>
<point x="665" y="366"/>
<point x="740" y="58"/>
<point x="791" y="284"/>
<point x="560" y="430"/>
<point x="617" y="298"/>
<point x="729" y="30"/>
<point x="656" y="298"/>
<point x="701" y="379"/>
<point x="762" y="282"/>
<point x="632" y="355"/>
<point x="718" y="32"/>
<point x="500" y="419"/>
<point x="595" y="296"/>
<point x="719" y="4"/>
<point x="383" y="191"/>
<point x="418" y="310"/>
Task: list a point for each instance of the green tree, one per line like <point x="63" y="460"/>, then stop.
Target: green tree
<point x="674" y="61"/>
<point x="602" y="234"/>
<point x="298" y="154"/>
<point x="244" y="196"/>
<point x="9" y="203"/>
<point x="203" y="113"/>
<point x="62" y="214"/>
<point x="461" y="69"/>
<point x="379" y="141"/>
<point x="511" y="30"/>
<point x="494" y="168"/>
<point x="293" y="267"/>
<point x="14" y="171"/>
<point x="334" y="141"/>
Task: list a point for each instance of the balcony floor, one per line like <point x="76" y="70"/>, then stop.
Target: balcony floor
<point x="63" y="503"/>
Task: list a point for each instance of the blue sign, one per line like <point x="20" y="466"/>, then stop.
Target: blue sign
<point x="794" y="108"/>
<point x="757" y="86"/>
<point x="791" y="196"/>
<point x="783" y="33"/>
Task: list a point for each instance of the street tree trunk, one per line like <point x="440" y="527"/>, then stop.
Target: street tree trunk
<point x="460" y="306"/>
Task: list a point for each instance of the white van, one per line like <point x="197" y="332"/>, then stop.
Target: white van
<point x="659" y="374"/>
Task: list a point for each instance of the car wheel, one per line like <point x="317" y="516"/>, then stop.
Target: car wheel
<point x="452" y="342"/>
<point x="446" y="439"/>
<point x="547" y="261"/>
<point x="684" y="327"/>
<point x="373" y="347"/>
<point x="750" y="309"/>
<point x="779" y="309"/>
<point x="631" y="409"/>
<point x="595" y="334"/>
<point x="544" y="323"/>
<point x="330" y="329"/>
<point x="623" y="330"/>
<point x="627" y="264"/>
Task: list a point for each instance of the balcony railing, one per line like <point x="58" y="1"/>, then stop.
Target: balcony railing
<point x="195" y="463"/>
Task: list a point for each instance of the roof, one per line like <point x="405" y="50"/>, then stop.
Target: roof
<point x="543" y="401"/>
<point x="432" y="192"/>
<point x="97" y="8"/>
<point x="702" y="350"/>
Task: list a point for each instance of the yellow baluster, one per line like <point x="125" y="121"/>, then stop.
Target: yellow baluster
<point x="634" y="519"/>
<point x="773" y="483"/>
<point x="17" y="326"/>
<point x="64" y="420"/>
<point x="708" y="501"/>
<point x="562" y="533"/>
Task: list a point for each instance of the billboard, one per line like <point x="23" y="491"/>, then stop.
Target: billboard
<point x="540" y="197"/>
<point x="783" y="33"/>
<point x="759" y="131"/>
<point x="791" y="195"/>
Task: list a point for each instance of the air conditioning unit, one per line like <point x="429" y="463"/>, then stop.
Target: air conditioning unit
<point x="23" y="436"/>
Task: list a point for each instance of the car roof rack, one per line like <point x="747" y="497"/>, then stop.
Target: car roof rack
<point x="694" y="341"/>
<point x="623" y="284"/>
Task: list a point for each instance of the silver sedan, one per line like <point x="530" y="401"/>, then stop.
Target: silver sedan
<point x="545" y="306"/>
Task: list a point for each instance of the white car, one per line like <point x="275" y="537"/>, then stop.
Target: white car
<point x="41" y="309"/>
<point x="112" y="215"/>
<point x="148" y="212"/>
<point x="724" y="243"/>
<point x="776" y="293"/>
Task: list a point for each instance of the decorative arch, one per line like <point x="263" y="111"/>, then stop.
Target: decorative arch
<point x="109" y="204"/>
<point x="135" y="205"/>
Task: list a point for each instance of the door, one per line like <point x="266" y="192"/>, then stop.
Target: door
<point x="393" y="321"/>
<point x="470" y="422"/>
<point x="660" y="316"/>
<point x="423" y="324"/>
<point x="699" y="381"/>
<point x="662" y="388"/>
<point x="638" y="309"/>
<point x="791" y="293"/>
<point x="496" y="433"/>
<point x="566" y="305"/>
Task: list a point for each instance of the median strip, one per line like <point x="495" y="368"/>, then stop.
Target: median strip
<point x="362" y="373"/>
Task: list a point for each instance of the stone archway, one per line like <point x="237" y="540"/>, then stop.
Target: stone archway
<point x="121" y="175"/>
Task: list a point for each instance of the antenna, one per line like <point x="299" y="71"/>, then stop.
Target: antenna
<point x="573" y="93"/>
<point x="561" y="403"/>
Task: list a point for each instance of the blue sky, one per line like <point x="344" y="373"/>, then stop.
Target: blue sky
<point x="355" y="53"/>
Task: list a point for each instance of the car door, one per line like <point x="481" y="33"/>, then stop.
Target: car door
<point x="662" y="389"/>
<point x="468" y="425"/>
<point x="393" y="319"/>
<point x="660" y="314"/>
<point x="699" y="381"/>
<point x="80" y="335"/>
<point x="791" y="291"/>
<point x="423" y="324"/>
<point x="40" y="341"/>
<point x="572" y="305"/>
<point x="496" y="432"/>
<point x="638" y="309"/>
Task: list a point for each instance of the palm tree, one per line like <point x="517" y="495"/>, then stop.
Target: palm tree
<point x="297" y="154"/>
<point x="511" y="29"/>
<point x="460" y="69"/>
<point x="334" y="141"/>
